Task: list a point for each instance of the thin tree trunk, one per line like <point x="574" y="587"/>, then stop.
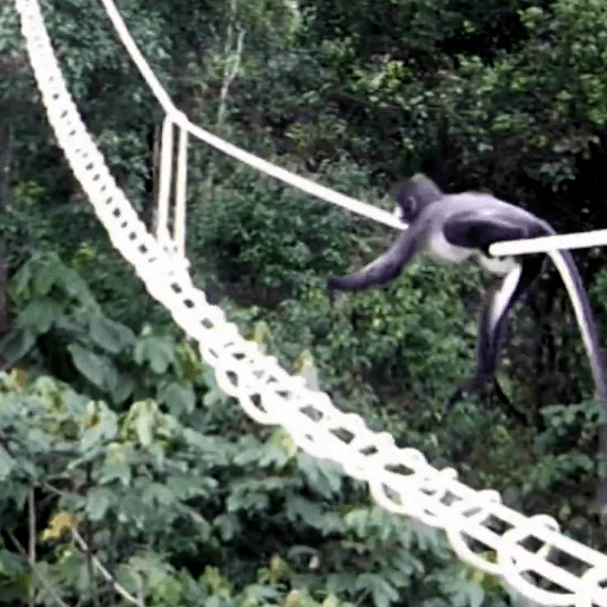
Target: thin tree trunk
<point x="232" y="64"/>
<point x="5" y="163"/>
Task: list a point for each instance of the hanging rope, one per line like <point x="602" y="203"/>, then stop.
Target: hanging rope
<point x="271" y="396"/>
<point x="545" y="244"/>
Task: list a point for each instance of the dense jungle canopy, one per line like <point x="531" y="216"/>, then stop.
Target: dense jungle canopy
<point x="116" y="445"/>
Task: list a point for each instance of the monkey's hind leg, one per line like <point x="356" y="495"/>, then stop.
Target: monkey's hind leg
<point x="494" y="322"/>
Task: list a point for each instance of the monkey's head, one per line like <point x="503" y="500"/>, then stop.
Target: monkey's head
<point x="413" y="195"/>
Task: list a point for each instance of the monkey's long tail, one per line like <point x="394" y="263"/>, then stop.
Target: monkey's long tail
<point x="573" y="282"/>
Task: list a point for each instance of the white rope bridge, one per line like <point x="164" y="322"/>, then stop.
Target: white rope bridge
<point x="476" y="522"/>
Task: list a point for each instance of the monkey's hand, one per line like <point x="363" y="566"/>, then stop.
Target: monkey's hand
<point x="333" y="284"/>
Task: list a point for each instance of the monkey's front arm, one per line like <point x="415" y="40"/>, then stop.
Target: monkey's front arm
<point x="384" y="268"/>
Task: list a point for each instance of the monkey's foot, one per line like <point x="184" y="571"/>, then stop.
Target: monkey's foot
<point x="459" y="394"/>
<point x="334" y="283"/>
<point x="464" y="391"/>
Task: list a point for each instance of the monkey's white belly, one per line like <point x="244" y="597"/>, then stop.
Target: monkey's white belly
<point x="441" y="249"/>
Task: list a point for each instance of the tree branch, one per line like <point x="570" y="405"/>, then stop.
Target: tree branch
<point x="229" y="75"/>
<point x="105" y="573"/>
<point x="96" y="562"/>
<point x="31" y="515"/>
<point x="47" y="585"/>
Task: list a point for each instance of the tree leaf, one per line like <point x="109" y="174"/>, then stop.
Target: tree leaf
<point x="144" y="423"/>
<point x="169" y="591"/>
<point x="10" y="564"/>
<point x="184" y="486"/>
<point x="152" y="566"/>
<point x="97" y="369"/>
<point x="7" y="464"/>
<point x="179" y="397"/>
<point x="229" y="525"/>
<point x="105" y="428"/>
<point x="306" y="368"/>
<point x="358" y="520"/>
<point x="109" y="335"/>
<point x="464" y="593"/>
<point x="157" y="493"/>
<point x="98" y="501"/>
<point x="44" y="279"/>
<point x="158" y="351"/>
<point x="383" y="592"/>
<point x="16" y="344"/>
<point x="40" y="314"/>
<point x="38" y="441"/>
<point x="322" y="476"/>
<point x="116" y="465"/>
<point x="314" y="515"/>
<point x="125" y="386"/>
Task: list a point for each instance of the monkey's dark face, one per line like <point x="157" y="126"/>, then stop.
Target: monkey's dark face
<point x="412" y="196"/>
<point x="406" y="210"/>
<point x="407" y="201"/>
<point x="409" y="207"/>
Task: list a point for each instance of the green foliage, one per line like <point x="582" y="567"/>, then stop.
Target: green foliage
<point x="72" y="231"/>
<point x="134" y="444"/>
<point x="167" y="485"/>
<point x="262" y="235"/>
<point x="399" y="334"/>
<point x="158" y="494"/>
<point x="553" y="471"/>
<point x="568" y="422"/>
<point x="82" y="31"/>
<point x="62" y="327"/>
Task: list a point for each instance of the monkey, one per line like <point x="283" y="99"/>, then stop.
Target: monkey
<point x="454" y="228"/>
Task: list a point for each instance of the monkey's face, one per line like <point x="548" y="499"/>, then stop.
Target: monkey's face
<point x="412" y="196"/>
<point x="406" y="210"/>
